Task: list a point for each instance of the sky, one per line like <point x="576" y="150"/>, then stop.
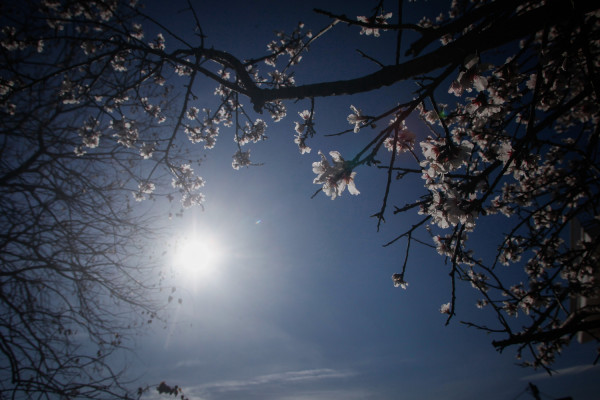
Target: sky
<point x="300" y="303"/>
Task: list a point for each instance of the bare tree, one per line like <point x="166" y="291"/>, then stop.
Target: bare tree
<point x="86" y="95"/>
<point x="76" y="279"/>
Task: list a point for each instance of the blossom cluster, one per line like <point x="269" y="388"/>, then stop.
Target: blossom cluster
<point x="516" y="144"/>
<point x="403" y="138"/>
<point x="125" y="131"/>
<point x="252" y="133"/>
<point x="380" y="19"/>
<point x="357" y="119"/>
<point x="399" y="281"/>
<point x="334" y="177"/>
<point x="90" y="135"/>
<point x="241" y="159"/>
<point x="188" y="184"/>
<point x="207" y="129"/>
<point x="291" y="45"/>
<point x="304" y="129"/>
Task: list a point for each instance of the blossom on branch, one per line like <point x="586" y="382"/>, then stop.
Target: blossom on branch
<point x="356" y="119"/>
<point x="186" y="179"/>
<point x="405" y="141"/>
<point x="90" y="133"/>
<point x="143" y="188"/>
<point x="241" y="159"/>
<point x="334" y="178"/>
<point x="300" y="140"/>
<point x="442" y="156"/>
<point x="471" y="77"/>
<point x="126" y="132"/>
<point x="381" y="19"/>
<point x="399" y="281"/>
<point x="252" y="133"/>
<point x="445" y="308"/>
<point x="158" y="43"/>
<point x="147" y="149"/>
<point x="304" y="129"/>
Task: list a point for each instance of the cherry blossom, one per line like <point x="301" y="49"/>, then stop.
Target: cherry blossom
<point x="303" y="130"/>
<point x="334" y="177"/>
<point x="300" y="140"/>
<point x="399" y="281"/>
<point x="188" y="184"/>
<point x="252" y="133"/>
<point x="158" y="43"/>
<point x="147" y="149"/>
<point x="356" y="118"/>
<point x="241" y="159"/>
<point x="405" y="141"/>
<point x="192" y="113"/>
<point x="125" y="132"/>
<point x="381" y="19"/>
<point x="90" y="133"/>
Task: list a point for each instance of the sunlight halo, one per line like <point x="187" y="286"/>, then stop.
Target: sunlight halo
<point x="197" y="256"/>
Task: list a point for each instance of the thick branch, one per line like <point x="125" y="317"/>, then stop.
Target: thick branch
<point x="547" y="335"/>
<point x="455" y="52"/>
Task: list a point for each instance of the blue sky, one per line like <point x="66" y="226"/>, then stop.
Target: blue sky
<point x="301" y="305"/>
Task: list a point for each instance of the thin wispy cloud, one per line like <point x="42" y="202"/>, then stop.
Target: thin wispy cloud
<point x="334" y="394"/>
<point x="290" y="377"/>
<point x="577" y="369"/>
<point x="283" y="377"/>
<point x="188" y="363"/>
<point x="290" y="385"/>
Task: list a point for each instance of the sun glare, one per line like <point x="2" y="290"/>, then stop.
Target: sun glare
<point x="197" y="256"/>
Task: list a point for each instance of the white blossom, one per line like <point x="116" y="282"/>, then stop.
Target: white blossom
<point x="381" y="19"/>
<point x="334" y="178"/>
<point x="158" y="43"/>
<point x="252" y="133"/>
<point x="191" y="199"/>
<point x="125" y="132"/>
<point x="146" y="187"/>
<point x="147" y="149"/>
<point x="137" y="31"/>
<point x="304" y="129"/>
<point x="300" y="141"/>
<point x="405" y="141"/>
<point x="399" y="281"/>
<point x="186" y="180"/>
<point x="356" y="119"/>
<point x="89" y="133"/>
<point x="280" y="79"/>
<point x="241" y="159"/>
<point x="192" y="113"/>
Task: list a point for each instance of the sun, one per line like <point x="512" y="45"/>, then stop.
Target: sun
<point x="197" y="256"/>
